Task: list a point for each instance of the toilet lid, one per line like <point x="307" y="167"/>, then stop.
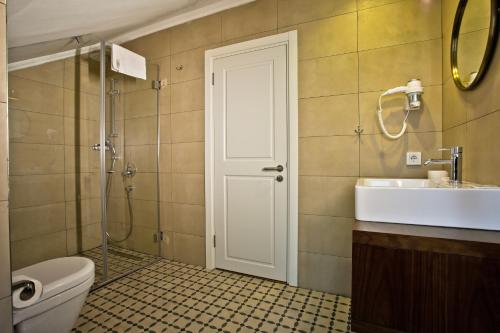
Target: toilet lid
<point x="60" y="274"/>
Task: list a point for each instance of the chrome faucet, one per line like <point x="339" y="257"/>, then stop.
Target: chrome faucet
<point x="455" y="162"/>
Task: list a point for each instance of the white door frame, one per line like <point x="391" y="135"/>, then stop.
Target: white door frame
<point x="290" y="40"/>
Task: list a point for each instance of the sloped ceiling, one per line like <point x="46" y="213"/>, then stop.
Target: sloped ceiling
<point x="41" y="27"/>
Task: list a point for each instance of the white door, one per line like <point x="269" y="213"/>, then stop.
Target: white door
<point x="250" y="136"/>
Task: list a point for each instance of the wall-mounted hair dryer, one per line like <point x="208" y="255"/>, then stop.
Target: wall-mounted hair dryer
<point x="413" y="91"/>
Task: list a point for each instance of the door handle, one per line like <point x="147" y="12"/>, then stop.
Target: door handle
<point x="278" y="168"/>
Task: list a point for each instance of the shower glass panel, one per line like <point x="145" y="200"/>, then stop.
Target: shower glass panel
<point x="55" y="184"/>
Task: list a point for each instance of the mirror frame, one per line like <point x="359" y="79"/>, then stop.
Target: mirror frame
<point x="488" y="52"/>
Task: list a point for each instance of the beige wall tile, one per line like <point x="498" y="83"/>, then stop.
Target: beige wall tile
<point x="167" y="246"/>
<point x="249" y="19"/>
<point x="189" y="249"/>
<point x="483" y="156"/>
<point x="82" y="239"/>
<point x="141" y="131"/>
<point x="324" y="116"/>
<point x="144" y="157"/>
<point x="198" y="33"/>
<point x="326" y="235"/>
<point x="36" y="159"/>
<point x="364" y="4"/>
<point x="188" y="157"/>
<point x="457" y="136"/>
<point x="37" y="220"/>
<point x="145" y="213"/>
<point x="420" y="60"/>
<point x="34" y="96"/>
<point x="25" y="190"/>
<point x="140" y="103"/>
<point x="382" y="157"/>
<point x="164" y="99"/>
<point x="166" y="216"/>
<point x="81" y="105"/>
<point x="30" y="127"/>
<point x="188" y="126"/>
<point x="166" y="187"/>
<point x="82" y="74"/>
<point x="189" y="65"/>
<point x="332" y="196"/>
<point x="142" y="240"/>
<point x="146" y="186"/>
<point x="325" y="273"/>
<point x="336" y="35"/>
<point x="188" y="188"/>
<point x="32" y="250"/>
<point x="328" y="76"/>
<point x="189" y="219"/>
<point x="165" y="157"/>
<point x="188" y="96"/>
<point x="390" y="24"/>
<point x="49" y="73"/>
<point x="83" y="212"/>
<point x="165" y="129"/>
<point x="454" y="106"/>
<point x="427" y="119"/>
<point x="329" y="156"/>
<point x="82" y="186"/>
<point x="297" y="11"/>
<point x="153" y="46"/>
<point x="80" y="132"/>
<point x="80" y="159"/>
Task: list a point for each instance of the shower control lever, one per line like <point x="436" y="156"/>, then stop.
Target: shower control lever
<point x="278" y="168"/>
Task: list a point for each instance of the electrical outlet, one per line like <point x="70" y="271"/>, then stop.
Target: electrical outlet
<point x="414" y="158"/>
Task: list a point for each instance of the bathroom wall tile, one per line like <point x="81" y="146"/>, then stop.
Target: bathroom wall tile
<point x="32" y="250"/>
<point x="37" y="220"/>
<point x="254" y="36"/>
<point x="188" y="126"/>
<point x="382" y="157"/>
<point x="188" y="188"/>
<point x="34" y="96"/>
<point x="189" y="219"/>
<point x="364" y="4"/>
<point x="328" y="76"/>
<point x="198" y="33"/>
<point x="189" y="65"/>
<point x="166" y="187"/>
<point x="166" y="216"/>
<point x="81" y="105"/>
<point x="425" y="18"/>
<point x="36" y="190"/>
<point x="167" y="246"/>
<point x="326" y="235"/>
<point x="49" y="73"/>
<point x="325" y="273"/>
<point x="163" y="68"/>
<point x="329" y="156"/>
<point x="144" y="157"/>
<point x="30" y="127"/>
<point x="165" y="157"/>
<point x="82" y="74"/>
<point x="141" y="131"/>
<point x="335" y="35"/>
<point x="80" y="132"/>
<point x="5" y="276"/>
<point x="454" y="106"/>
<point x="323" y="116"/>
<point x="189" y="249"/>
<point x="188" y="157"/>
<point x="416" y="60"/>
<point x="483" y="156"/>
<point x="36" y="159"/>
<point x="140" y="103"/>
<point x="153" y="46"/>
<point x="141" y="240"/>
<point x="83" y="186"/>
<point x="80" y="159"/>
<point x="165" y="129"/>
<point x="164" y="99"/>
<point x="146" y="186"/>
<point x="249" y="19"/>
<point x="127" y="84"/>
<point x="83" y="212"/>
<point x="145" y="213"/>
<point x="296" y="11"/>
<point x="188" y="96"/>
<point x="84" y="238"/>
<point x="457" y="136"/>
<point x="427" y="119"/>
<point x="332" y="196"/>
<point x="449" y="8"/>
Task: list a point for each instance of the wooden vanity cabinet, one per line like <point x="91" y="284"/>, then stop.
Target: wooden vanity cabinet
<point x="423" y="279"/>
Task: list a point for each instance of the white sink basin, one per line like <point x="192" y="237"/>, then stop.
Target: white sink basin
<point x="423" y="202"/>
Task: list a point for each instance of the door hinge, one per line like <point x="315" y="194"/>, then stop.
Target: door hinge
<point x="213" y="78"/>
<point x="214" y="241"/>
<point x="158" y="84"/>
<point x="158" y="237"/>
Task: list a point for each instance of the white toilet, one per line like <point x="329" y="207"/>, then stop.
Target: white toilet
<point x="66" y="283"/>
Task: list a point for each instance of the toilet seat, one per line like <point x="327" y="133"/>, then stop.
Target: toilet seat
<point x="62" y="279"/>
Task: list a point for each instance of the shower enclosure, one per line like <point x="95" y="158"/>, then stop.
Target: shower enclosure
<point x="69" y="196"/>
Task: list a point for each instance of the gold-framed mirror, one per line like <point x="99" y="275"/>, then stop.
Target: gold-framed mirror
<point x="473" y="41"/>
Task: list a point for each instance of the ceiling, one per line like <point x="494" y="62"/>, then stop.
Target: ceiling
<point x="42" y="27"/>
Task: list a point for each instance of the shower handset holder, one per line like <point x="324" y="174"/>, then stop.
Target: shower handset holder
<point x="130" y="170"/>
<point x="413" y="91"/>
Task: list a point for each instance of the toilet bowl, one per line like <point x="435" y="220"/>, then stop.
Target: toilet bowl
<point x="66" y="283"/>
